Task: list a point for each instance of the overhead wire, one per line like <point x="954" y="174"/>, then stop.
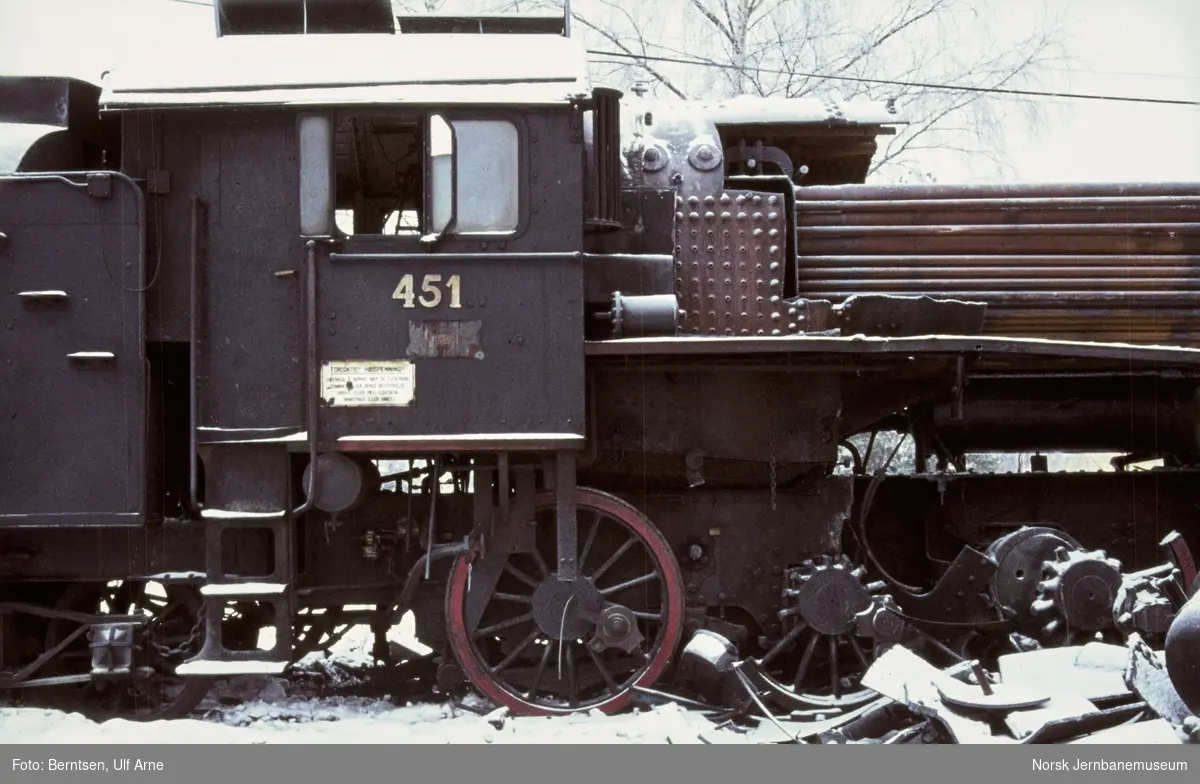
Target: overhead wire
<point x="896" y="82"/>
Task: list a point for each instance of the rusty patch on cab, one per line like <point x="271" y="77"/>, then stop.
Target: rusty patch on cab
<point x="435" y="339"/>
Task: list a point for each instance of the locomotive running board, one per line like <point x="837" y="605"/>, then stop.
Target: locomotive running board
<point x="858" y="345"/>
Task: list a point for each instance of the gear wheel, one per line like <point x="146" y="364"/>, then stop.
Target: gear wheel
<point x="828" y="593"/>
<point x="1076" y="594"/>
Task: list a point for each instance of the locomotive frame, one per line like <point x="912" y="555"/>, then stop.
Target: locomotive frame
<point x="619" y="411"/>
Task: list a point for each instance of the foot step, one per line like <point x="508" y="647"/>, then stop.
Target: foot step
<point x="247" y="667"/>
<point x="243" y="589"/>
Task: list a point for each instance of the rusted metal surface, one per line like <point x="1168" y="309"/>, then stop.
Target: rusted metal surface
<point x="1106" y="261"/>
<point x="445" y="339"/>
<point x="730" y="265"/>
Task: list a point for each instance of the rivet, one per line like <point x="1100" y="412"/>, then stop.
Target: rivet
<point x="709" y="200"/>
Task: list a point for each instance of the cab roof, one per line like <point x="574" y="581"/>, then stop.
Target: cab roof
<point x="525" y="68"/>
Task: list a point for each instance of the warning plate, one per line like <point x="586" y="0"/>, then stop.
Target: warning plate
<point x="368" y="383"/>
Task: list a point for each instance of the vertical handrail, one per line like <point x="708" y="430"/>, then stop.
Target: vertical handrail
<point x="193" y="360"/>
<point x="312" y="371"/>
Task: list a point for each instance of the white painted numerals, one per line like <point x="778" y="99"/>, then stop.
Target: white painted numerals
<point x="430" y="295"/>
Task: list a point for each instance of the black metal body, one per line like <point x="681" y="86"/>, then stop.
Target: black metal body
<point x="157" y="418"/>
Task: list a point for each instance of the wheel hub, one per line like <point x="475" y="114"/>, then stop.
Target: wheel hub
<point x="565" y="610"/>
<point x="617" y="628"/>
<point x="1019" y="557"/>
<point x="829" y="595"/>
<point x="1077" y="592"/>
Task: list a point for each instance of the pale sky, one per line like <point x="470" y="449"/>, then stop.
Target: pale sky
<point x="1080" y="141"/>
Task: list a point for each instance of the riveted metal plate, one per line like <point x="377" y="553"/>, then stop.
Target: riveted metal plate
<point x="730" y="265"/>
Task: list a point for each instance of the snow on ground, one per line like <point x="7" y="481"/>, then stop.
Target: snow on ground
<point x="277" y="710"/>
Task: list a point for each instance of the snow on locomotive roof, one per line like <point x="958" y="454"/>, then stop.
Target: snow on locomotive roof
<point x="352" y="68"/>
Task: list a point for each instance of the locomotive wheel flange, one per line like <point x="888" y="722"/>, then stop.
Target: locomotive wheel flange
<point x="543" y="647"/>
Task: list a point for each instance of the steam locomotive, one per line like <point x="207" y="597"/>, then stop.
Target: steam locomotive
<point x="337" y="316"/>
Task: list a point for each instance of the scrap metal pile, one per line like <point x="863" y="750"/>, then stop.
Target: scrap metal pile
<point x="1085" y="654"/>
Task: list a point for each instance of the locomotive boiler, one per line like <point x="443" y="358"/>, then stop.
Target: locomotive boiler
<point x="337" y="316"/>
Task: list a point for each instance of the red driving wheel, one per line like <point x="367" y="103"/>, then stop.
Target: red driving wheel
<point x="532" y="653"/>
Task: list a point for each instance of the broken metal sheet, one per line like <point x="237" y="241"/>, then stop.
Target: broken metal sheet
<point x="1001" y="696"/>
<point x="1059" y="730"/>
<point x="723" y="737"/>
<point x="906" y="678"/>
<point x="890" y="315"/>
<point x="1023" y="723"/>
<point x="1089" y="671"/>
<point x="1146" y="674"/>
<point x="811" y="729"/>
<point x="1156" y="732"/>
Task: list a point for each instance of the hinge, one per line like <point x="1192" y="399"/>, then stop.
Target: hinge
<point x="577" y="124"/>
<point x="99" y="186"/>
<point x="158" y="181"/>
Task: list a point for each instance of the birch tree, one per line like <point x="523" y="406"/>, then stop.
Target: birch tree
<point x="842" y="48"/>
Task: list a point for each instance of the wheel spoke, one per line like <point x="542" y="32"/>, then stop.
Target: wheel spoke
<point x="645" y="578"/>
<point x="612" y="685"/>
<point x="835" y="680"/>
<point x="517" y="573"/>
<point x="495" y="627"/>
<point x="541" y="669"/>
<point x="858" y="652"/>
<point x="613" y="559"/>
<point x="787" y="640"/>
<point x="519" y="598"/>
<point x="541" y="563"/>
<point x="805" y="660"/>
<point x="587" y="545"/>
<point x="648" y="616"/>
<point x="572" y="682"/>
<point x="512" y="656"/>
